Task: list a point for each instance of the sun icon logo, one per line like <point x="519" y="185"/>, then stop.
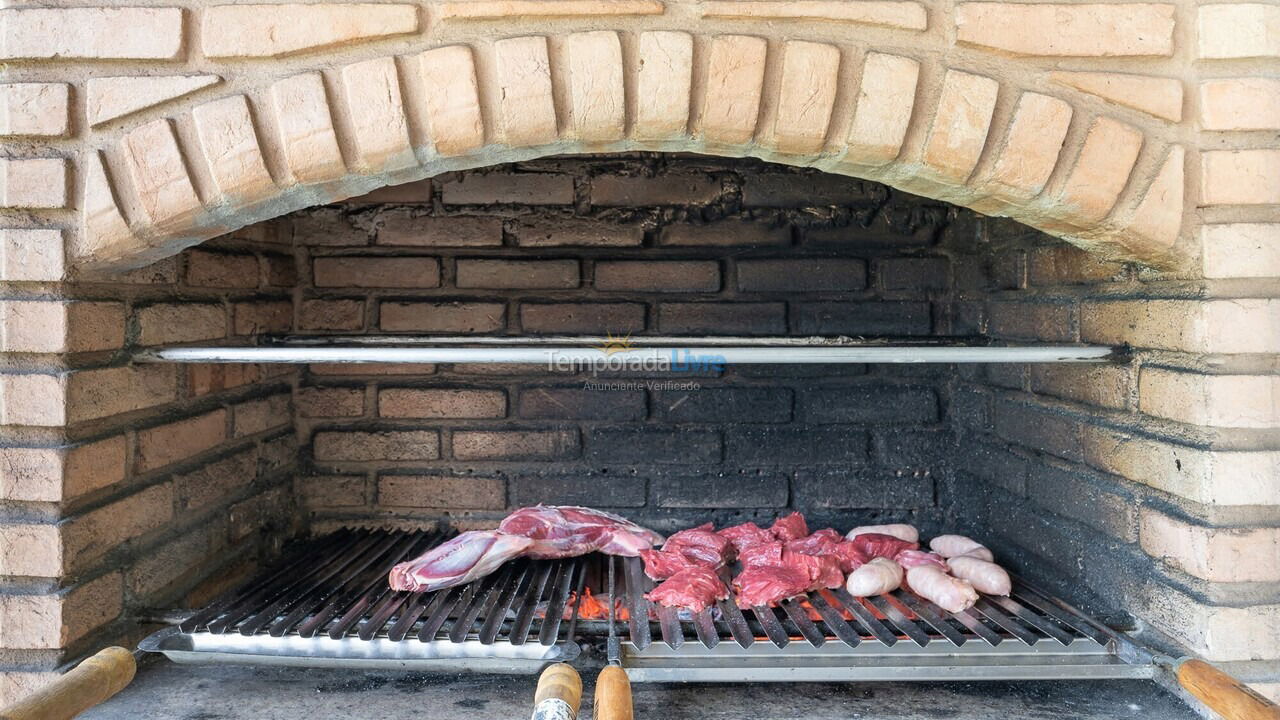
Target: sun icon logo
<point x="613" y="344"/>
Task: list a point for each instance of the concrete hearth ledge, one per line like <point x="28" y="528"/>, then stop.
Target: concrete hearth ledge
<point x="165" y="690"/>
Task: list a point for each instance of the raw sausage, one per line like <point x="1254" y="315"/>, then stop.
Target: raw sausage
<point x="877" y="577"/>
<point x="949" y="546"/>
<point x="949" y="593"/>
<point x="902" y="531"/>
<point x="986" y="577"/>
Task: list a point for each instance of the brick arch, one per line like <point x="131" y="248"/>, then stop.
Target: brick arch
<point x="990" y="139"/>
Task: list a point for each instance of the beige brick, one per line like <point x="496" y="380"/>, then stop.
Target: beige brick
<point x="255" y="416"/>
<point x="1241" y="250"/>
<point x="1102" y="169"/>
<point x="108" y="98"/>
<point x="1240" y="177"/>
<point x="52" y="622"/>
<point x="93" y="394"/>
<point x="960" y="125"/>
<point x="901" y="15"/>
<point x="221" y="269"/>
<point x="1047" y="322"/>
<point x="441" y="403"/>
<point x="116" y="33"/>
<point x="1157" y="221"/>
<point x="442" y="316"/>
<point x="514" y="444"/>
<point x="35" y="109"/>
<point x="175" y="563"/>
<point x="1084" y="30"/>
<point x="453" y="105"/>
<point x="1104" y="386"/>
<point x="216" y="377"/>
<point x="31" y="550"/>
<point x="305" y="129"/>
<point x="883" y="112"/>
<point x="331" y="315"/>
<point x="734" y="84"/>
<point x="1250" y="103"/>
<point x="390" y="272"/>
<point x="180" y="322"/>
<point x="58" y="327"/>
<point x="229" y="144"/>
<point x="105" y="233"/>
<point x="379" y="129"/>
<point x="593" y="61"/>
<point x="252" y="318"/>
<point x="1031" y="147"/>
<point x="33" y="399"/>
<point x="160" y="175"/>
<point x="15" y="685"/>
<point x="810" y="77"/>
<point x="526" y="110"/>
<point x="493" y="9"/>
<point x="1239" y="30"/>
<point x="1214" y="554"/>
<point x="359" y="446"/>
<point x="31" y="256"/>
<point x="285" y="29"/>
<point x="176" y="441"/>
<point x="1221" y="477"/>
<point x="517" y="274"/>
<point x="663" y="84"/>
<point x="213" y="483"/>
<point x="329" y="401"/>
<point x="1210" y="326"/>
<point x="1158" y="96"/>
<point x="332" y="490"/>
<point x="38" y="183"/>
<point x="442" y="491"/>
<point x="402" y="227"/>
<point x="1214" y="633"/>
<point x="1249" y="401"/>
<point x="90" y="536"/>
<point x="61" y="473"/>
<point x="1064" y="264"/>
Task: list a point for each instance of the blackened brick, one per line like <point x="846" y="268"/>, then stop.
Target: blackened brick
<point x="597" y="318"/>
<point x="727" y="405"/>
<point x="869" y="404"/>
<point x="331" y="315"/>
<point x="377" y="272"/>
<point x="509" y="188"/>
<point x="517" y="274"/>
<point x="723" y="318"/>
<point x="913" y="273"/>
<point x="731" y="232"/>
<point x="553" y="403"/>
<point x="826" y="445"/>
<point x="754" y="490"/>
<point x="398" y="226"/>
<point x="1083" y="496"/>
<point x="817" y="275"/>
<point x="558" y="231"/>
<point x="800" y="370"/>
<point x="658" y="275"/>
<point x="995" y="465"/>
<point x="592" y="490"/>
<point x="652" y="445"/>
<point x="864" y="318"/>
<point x="1039" y="429"/>
<point x="902" y="449"/>
<point x="466" y="317"/>
<point x="881" y="233"/>
<point x="667" y="189"/>
<point x="790" y="190"/>
<point x="861" y="488"/>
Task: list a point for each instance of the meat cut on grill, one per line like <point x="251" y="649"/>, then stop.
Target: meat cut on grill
<point x="695" y="547"/>
<point x="541" y="531"/>
<point x="696" y="587"/>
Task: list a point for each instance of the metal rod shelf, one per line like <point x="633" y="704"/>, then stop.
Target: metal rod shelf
<point x="641" y="353"/>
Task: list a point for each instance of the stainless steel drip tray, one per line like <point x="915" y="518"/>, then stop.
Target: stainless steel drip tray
<point x="351" y="652"/>
<point x="873" y="662"/>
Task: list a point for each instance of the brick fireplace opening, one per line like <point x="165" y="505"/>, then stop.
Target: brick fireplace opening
<point x="1144" y="487"/>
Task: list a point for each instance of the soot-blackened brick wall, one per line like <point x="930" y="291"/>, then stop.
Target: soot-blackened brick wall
<point x="625" y="246"/>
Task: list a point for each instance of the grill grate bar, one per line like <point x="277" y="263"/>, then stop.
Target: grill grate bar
<point x="1029" y="596"/>
<point x="462" y="626"/>
<point x="436" y="619"/>
<point x="558" y="600"/>
<point x="889" y="607"/>
<point x="495" y="614"/>
<point x="1007" y="623"/>
<point x="669" y="623"/>
<point x="922" y="611"/>
<point x="800" y="618"/>
<point x="737" y="622"/>
<point x="1046" y="626"/>
<point x="529" y="603"/>
<point x="834" y="620"/>
<point x="369" y="579"/>
<point x="772" y="628"/>
<point x="869" y="622"/>
<point x="377" y="591"/>
<point x="315" y="596"/>
<point x="971" y="621"/>
<point x="637" y="604"/>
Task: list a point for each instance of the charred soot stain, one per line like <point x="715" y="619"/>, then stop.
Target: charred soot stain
<point x="354" y="685"/>
<point x="472" y="704"/>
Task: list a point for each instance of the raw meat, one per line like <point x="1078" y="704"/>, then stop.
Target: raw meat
<point x="880" y="545"/>
<point x="694" y="547"/>
<point x="764" y="585"/>
<point x="745" y="535"/>
<point x="935" y="585"/>
<point x="984" y="576"/>
<point x="902" y="531"/>
<point x="916" y="558"/>
<point x="877" y="577"/>
<point x="762" y="553"/>
<point x="466" y="557"/>
<point x="569" y="531"/>
<point x="695" y="588"/>
<point x="830" y="542"/>
<point x="949" y="546"/>
<point x="790" y="527"/>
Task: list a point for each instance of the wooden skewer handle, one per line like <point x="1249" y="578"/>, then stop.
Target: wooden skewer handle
<point x="559" y="694"/>
<point x="86" y="685"/>
<point x="1224" y="694"/>
<point x="613" y="695"/>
